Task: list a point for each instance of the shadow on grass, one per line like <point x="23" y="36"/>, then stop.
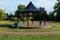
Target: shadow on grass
<point x="13" y="26"/>
<point x="7" y="25"/>
<point x="28" y="27"/>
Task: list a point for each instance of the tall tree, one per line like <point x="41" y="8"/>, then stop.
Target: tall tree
<point x="43" y="14"/>
<point x="18" y="15"/>
<point x="57" y="9"/>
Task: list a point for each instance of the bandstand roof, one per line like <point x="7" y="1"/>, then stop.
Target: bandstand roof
<point x="30" y="7"/>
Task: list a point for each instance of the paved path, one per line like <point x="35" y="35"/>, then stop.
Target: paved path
<point x="52" y="32"/>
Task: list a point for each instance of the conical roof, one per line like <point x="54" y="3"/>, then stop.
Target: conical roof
<point x="30" y="7"/>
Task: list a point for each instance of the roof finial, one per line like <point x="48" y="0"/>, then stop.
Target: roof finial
<point x="30" y="0"/>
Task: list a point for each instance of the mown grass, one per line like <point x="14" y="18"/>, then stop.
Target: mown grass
<point x="6" y="22"/>
<point x="55" y="26"/>
<point x="29" y="37"/>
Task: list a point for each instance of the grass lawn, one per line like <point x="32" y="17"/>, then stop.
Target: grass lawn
<point x="6" y="22"/>
<point x="29" y="37"/>
<point x="55" y="26"/>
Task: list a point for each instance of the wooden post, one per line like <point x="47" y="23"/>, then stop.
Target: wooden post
<point x="40" y="23"/>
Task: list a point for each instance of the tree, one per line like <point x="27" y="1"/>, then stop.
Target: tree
<point x="43" y="14"/>
<point x="11" y="17"/>
<point x="20" y="7"/>
<point x="2" y="15"/>
<point x="51" y="16"/>
<point x="57" y="10"/>
<point x="7" y="16"/>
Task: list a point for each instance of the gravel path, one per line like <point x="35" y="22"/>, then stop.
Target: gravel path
<point x="52" y="32"/>
<point x="36" y="24"/>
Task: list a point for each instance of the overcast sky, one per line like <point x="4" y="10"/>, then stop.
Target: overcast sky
<point x="11" y="5"/>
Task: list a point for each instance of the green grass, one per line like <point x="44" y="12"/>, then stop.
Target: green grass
<point x="6" y="22"/>
<point x="55" y="26"/>
<point x="29" y="37"/>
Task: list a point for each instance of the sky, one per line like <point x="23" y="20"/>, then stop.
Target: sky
<point x="10" y="6"/>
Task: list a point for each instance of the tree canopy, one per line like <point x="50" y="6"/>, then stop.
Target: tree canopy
<point x="2" y="14"/>
<point x="20" y="7"/>
<point x="57" y="10"/>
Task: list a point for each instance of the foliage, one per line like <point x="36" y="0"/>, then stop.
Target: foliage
<point x="20" y="7"/>
<point x="52" y="16"/>
<point x="10" y="16"/>
<point x="2" y="15"/>
<point x="43" y="14"/>
<point x="57" y="10"/>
